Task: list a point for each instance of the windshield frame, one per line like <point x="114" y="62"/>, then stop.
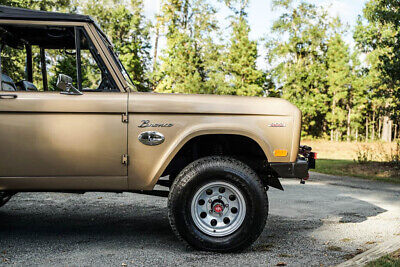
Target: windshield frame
<point x="121" y="67"/>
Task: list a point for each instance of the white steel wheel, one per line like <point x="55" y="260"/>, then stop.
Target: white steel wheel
<point x="218" y="209"/>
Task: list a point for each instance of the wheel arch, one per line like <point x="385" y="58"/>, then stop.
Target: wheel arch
<point x="255" y="151"/>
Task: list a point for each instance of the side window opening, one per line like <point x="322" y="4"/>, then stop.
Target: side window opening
<point x="32" y="56"/>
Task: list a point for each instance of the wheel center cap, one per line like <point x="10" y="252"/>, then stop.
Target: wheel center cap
<point x="218" y="208"/>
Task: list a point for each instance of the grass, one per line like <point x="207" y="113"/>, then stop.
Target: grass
<point x="340" y="158"/>
<point x="348" y="150"/>
<point x="392" y="260"/>
<point x="378" y="171"/>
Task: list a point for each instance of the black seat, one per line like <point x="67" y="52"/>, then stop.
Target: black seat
<point x="7" y="83"/>
<point x="26" y="86"/>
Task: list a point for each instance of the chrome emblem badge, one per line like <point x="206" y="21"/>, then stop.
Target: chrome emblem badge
<point x="146" y="123"/>
<point x="277" y="124"/>
<point x="151" y="138"/>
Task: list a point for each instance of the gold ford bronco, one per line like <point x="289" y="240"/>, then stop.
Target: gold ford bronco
<point x="214" y="157"/>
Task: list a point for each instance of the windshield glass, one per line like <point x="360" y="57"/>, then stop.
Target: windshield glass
<point x="116" y="60"/>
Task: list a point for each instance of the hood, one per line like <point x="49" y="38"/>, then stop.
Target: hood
<point x="209" y="104"/>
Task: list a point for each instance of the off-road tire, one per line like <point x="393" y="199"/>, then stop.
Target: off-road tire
<point x="221" y="169"/>
<point x="5" y="197"/>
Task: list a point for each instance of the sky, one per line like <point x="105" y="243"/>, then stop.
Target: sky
<point x="261" y="17"/>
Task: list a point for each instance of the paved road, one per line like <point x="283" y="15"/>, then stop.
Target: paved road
<point x="318" y="224"/>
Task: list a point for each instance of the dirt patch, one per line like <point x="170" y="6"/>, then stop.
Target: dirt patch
<point x="378" y="169"/>
<point x="334" y="248"/>
<point x="396" y="254"/>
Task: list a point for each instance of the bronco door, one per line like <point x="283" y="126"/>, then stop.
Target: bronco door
<point x="50" y="140"/>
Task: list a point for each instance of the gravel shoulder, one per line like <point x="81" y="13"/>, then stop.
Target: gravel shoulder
<point x="321" y="223"/>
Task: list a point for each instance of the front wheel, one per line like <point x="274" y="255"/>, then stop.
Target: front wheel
<point x="218" y="204"/>
<point x="5" y="197"/>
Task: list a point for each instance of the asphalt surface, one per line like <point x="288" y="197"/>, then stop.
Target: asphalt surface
<point x="321" y="223"/>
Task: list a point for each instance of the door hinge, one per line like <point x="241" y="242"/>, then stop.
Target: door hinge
<point x="125" y="159"/>
<point x="125" y="118"/>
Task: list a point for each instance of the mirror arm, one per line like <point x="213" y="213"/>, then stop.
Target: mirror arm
<point x="71" y="90"/>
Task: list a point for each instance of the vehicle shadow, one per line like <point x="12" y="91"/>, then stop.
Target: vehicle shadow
<point x="128" y="225"/>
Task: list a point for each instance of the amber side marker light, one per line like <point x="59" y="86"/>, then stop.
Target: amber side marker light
<point x="280" y="153"/>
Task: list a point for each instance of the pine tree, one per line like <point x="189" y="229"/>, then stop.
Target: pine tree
<point x="339" y="86"/>
<point x="129" y="32"/>
<point x="185" y="63"/>
<point x="299" y="70"/>
<point x="241" y="69"/>
<point x="378" y="37"/>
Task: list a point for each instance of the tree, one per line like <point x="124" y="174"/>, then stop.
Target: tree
<point x="244" y="77"/>
<point x="339" y="86"/>
<point x="378" y="38"/>
<point x="13" y="60"/>
<point x="298" y="56"/>
<point x="186" y="61"/>
<point x="129" y="32"/>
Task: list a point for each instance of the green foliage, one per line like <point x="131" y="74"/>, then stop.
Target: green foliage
<point x="300" y="60"/>
<point x="244" y="77"/>
<point x="342" y="92"/>
<point x="377" y="35"/>
<point x="129" y="32"/>
<point x="194" y="63"/>
<point x="186" y="61"/>
<point x="339" y="82"/>
<point x="13" y="60"/>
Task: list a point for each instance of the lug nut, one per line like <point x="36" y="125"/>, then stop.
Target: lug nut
<point x="209" y="201"/>
<point x="219" y="197"/>
<point x="227" y="205"/>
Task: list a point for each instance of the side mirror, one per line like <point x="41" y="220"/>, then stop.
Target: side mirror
<point x="64" y="82"/>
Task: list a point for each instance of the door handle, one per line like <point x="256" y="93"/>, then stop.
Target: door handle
<point x="8" y="96"/>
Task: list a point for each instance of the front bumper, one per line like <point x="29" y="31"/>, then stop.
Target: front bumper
<point x="298" y="169"/>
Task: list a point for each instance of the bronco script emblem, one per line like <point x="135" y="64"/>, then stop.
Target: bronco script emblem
<point x="146" y="123"/>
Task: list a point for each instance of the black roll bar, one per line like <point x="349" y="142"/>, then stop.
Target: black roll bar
<point x="78" y="57"/>
<point x="29" y="68"/>
<point x="43" y="68"/>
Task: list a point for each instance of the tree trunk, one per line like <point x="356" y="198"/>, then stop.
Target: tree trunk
<point x="333" y="116"/>
<point x="373" y="126"/>
<point x="356" y="135"/>
<point x="379" y="128"/>
<point x="387" y="129"/>
<point x="348" y="123"/>
<point x="395" y="132"/>
<point x="156" y="48"/>
<point x="366" y="129"/>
